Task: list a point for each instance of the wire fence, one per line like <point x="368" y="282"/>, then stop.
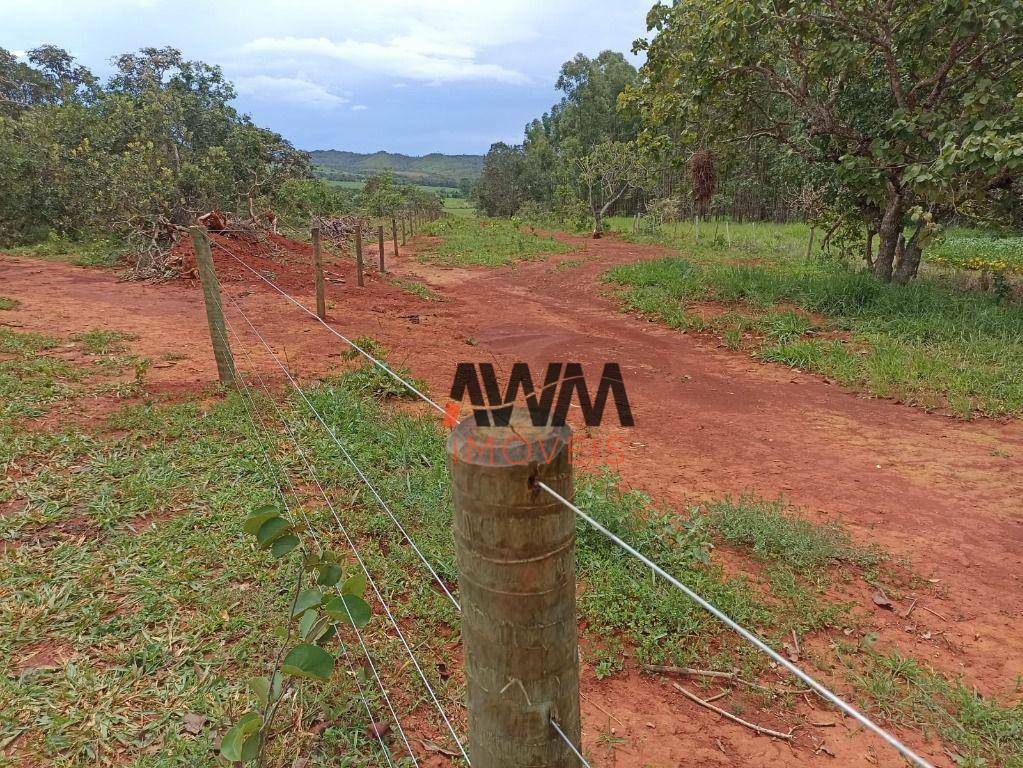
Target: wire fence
<point x="277" y="471"/>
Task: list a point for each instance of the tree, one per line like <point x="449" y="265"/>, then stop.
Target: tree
<point x="499" y="189"/>
<point x="913" y="106"/>
<point x="611" y="170"/>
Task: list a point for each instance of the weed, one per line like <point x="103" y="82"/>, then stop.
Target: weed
<point x="468" y="241"/>
<point x="416" y="289"/>
<point x="926" y="343"/>
<point x="100" y="342"/>
<point x="8" y="304"/>
<point x="983" y="731"/>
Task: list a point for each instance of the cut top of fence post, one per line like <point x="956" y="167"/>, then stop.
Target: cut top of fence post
<point x="515" y="548"/>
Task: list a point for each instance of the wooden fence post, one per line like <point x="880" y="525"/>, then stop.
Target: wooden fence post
<point x="394" y="235"/>
<point x="321" y="295"/>
<point x="515" y="549"/>
<point x="358" y="254"/>
<point x="380" y="247"/>
<point x="214" y="310"/>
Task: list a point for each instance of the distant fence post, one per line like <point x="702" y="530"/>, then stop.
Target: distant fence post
<point x="321" y="295"/>
<point x="380" y="247"/>
<point x="394" y="235"/>
<point x="358" y="254"/>
<point x="214" y="309"/>
<point x="401" y="218"/>
<point x="515" y="549"/>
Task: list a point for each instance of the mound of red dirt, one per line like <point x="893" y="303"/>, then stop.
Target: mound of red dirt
<point x="286" y="262"/>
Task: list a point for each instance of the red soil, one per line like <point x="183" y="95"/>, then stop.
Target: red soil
<point x="944" y="494"/>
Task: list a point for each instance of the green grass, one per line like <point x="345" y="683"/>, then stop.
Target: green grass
<point x="100" y="342"/>
<point x="416" y="288"/>
<point x="8" y="304"/>
<point x="97" y="252"/>
<point x="127" y="566"/>
<point x="979" y="250"/>
<point x="459" y="206"/>
<point x="983" y="732"/>
<point x="468" y="241"/>
<point x="928" y="343"/>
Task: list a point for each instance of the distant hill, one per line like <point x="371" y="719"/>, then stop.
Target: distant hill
<point x="435" y="169"/>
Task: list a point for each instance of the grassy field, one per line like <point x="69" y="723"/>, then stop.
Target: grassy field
<point x="470" y="241"/>
<point x="930" y="343"/>
<point x="131" y="598"/>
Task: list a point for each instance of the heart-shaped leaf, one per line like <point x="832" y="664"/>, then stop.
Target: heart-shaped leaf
<point x="330" y="574"/>
<point x="349" y="608"/>
<point x="257" y="518"/>
<point x="270" y="530"/>
<point x="310" y="661"/>
<point x="356" y="585"/>
<point x="232" y="746"/>
<point x="284" y="545"/>
<point x="307" y="598"/>
<point x="260" y="687"/>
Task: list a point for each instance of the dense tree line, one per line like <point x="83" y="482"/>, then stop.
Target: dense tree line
<point x="892" y="117"/>
<point x="146" y="150"/>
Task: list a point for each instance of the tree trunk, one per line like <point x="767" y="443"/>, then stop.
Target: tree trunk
<point x="908" y="263"/>
<point x="598" y="223"/>
<point x="868" y="255"/>
<point x="809" y="244"/>
<point x="889" y="232"/>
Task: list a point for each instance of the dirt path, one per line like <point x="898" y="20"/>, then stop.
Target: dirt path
<point x="946" y="495"/>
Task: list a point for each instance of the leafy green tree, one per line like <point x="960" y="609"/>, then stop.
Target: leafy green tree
<point x="609" y="171"/>
<point x="499" y="191"/>
<point x="913" y="107"/>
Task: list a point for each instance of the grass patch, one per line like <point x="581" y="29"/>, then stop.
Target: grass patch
<point x="926" y="343"/>
<point x="85" y="253"/>
<point x="983" y="732"/>
<point x="128" y="574"/>
<point x="100" y="342"/>
<point x="469" y="241"/>
<point x="416" y="288"/>
<point x="979" y="250"/>
<point x="8" y="304"/>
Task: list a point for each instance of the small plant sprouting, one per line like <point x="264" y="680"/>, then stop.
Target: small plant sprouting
<point x="321" y="598"/>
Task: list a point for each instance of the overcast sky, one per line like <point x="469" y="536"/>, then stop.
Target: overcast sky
<point x="411" y="76"/>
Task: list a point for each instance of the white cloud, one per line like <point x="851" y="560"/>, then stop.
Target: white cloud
<point x="359" y="108"/>
<point x="411" y="57"/>
<point x="294" y="90"/>
<point x="19" y="54"/>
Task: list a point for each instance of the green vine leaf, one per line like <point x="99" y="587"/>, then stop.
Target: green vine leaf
<point x="235" y="746"/>
<point x="257" y="518"/>
<point x="284" y="545"/>
<point x="330" y="574"/>
<point x="356" y="585"/>
<point x="270" y="530"/>
<point x="260" y="687"/>
<point x="307" y="598"/>
<point x="309" y="661"/>
<point x="350" y="608"/>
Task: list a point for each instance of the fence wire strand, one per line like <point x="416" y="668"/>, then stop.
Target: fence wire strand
<point x="315" y="477"/>
<point x="746" y="634"/>
<point x="251" y="412"/>
<point x="820" y="689"/>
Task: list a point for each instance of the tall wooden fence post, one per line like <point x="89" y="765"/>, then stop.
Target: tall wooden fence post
<point x="515" y="548"/>
<point x="394" y="235"/>
<point x="214" y="310"/>
<point x="380" y="247"/>
<point x="358" y="254"/>
<point x="321" y="293"/>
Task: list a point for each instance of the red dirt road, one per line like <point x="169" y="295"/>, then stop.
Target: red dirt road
<point x="946" y="495"/>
